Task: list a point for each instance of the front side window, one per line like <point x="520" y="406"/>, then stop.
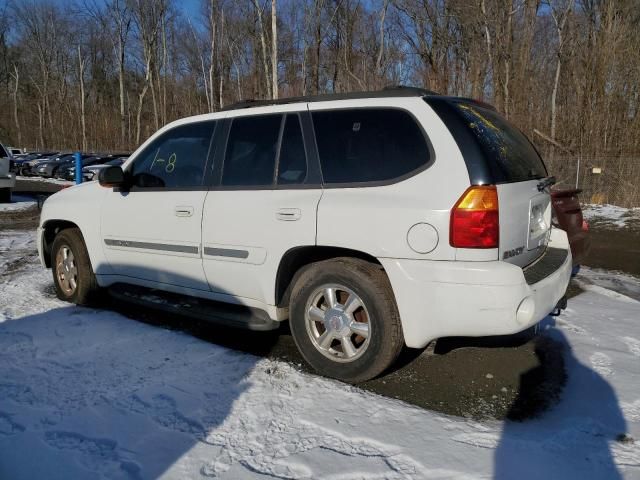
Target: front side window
<point x="175" y="159"/>
<point x="250" y="157"/>
<point x="368" y="144"/>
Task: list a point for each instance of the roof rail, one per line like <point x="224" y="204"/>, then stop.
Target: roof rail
<point x="390" y="91"/>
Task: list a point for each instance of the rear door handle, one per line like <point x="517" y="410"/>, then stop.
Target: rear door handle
<point x="183" y="211"/>
<point x="288" y="214"/>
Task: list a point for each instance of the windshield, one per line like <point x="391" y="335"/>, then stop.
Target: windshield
<point x="511" y="156"/>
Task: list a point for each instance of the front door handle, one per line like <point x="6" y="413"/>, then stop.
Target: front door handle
<point x="288" y="214"/>
<point x="183" y="211"/>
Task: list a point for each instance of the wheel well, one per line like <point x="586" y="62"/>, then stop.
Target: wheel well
<point x="51" y="229"/>
<point x="296" y="258"/>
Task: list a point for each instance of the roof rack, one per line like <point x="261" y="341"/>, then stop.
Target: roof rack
<point x="386" y="92"/>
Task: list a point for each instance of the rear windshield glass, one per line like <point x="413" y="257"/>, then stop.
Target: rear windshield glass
<point x="510" y="154"/>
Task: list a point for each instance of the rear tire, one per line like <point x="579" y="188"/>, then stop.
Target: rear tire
<point x="73" y="275"/>
<point x="5" y="195"/>
<point x="344" y="319"/>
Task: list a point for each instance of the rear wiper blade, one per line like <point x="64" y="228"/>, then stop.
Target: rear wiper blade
<point x="546" y="182"/>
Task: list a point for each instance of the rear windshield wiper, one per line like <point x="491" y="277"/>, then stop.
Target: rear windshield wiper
<point x="546" y="182"/>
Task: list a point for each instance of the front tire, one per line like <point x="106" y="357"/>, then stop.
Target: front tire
<point x="344" y="319"/>
<point x="5" y="195"/>
<point x="73" y="276"/>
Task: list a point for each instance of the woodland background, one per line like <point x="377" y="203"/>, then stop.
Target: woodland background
<point x="105" y="74"/>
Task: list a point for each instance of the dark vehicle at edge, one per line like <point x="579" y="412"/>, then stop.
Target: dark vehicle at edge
<point x="567" y="215"/>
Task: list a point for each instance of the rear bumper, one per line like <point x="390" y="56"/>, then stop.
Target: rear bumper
<point x="444" y="298"/>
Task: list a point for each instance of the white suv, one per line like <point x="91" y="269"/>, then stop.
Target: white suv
<point x="370" y="221"/>
<point x="7" y="177"/>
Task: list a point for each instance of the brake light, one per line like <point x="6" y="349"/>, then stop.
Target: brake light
<point x="474" y="219"/>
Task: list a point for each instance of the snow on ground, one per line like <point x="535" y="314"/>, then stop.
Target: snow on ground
<point x="609" y="283"/>
<point x="15" y="246"/>
<point x="18" y="203"/>
<point x="610" y="214"/>
<point x="57" y="181"/>
<point x="86" y="393"/>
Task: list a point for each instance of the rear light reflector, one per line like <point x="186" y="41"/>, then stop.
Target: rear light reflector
<point x="475" y="220"/>
<point x="585" y="226"/>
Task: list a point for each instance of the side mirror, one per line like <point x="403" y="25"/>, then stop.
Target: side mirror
<point x="112" y="176"/>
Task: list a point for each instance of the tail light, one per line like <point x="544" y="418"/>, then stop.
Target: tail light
<point x="474" y="219"/>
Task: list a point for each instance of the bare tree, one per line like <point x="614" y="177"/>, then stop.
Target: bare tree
<point x="83" y="118"/>
<point x="274" y="51"/>
<point x="121" y="15"/>
<point x="560" y="14"/>
<point x="568" y="69"/>
<point x="16" y="88"/>
<point x="263" y="45"/>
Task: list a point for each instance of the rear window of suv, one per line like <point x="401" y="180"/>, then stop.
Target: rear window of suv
<point x="511" y="156"/>
<point x="368" y="145"/>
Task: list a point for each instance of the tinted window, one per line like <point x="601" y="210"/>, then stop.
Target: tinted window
<point x="250" y="157"/>
<point x="175" y="159"/>
<point x="368" y="145"/>
<point x="511" y="156"/>
<point x="292" y="163"/>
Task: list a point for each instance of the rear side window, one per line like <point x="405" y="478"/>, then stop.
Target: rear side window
<point x="510" y="155"/>
<point x="250" y="157"/>
<point x="368" y="144"/>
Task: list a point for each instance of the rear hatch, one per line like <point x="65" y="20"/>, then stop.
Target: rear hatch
<point x="515" y="167"/>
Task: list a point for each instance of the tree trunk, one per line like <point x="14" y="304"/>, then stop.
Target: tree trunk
<point x="263" y="46"/>
<point x="141" y="96"/>
<point x="318" y="45"/>
<point x="274" y="51"/>
<point x="383" y="15"/>
<point x="212" y="55"/>
<point x="16" y="80"/>
<point x="83" y="118"/>
<point x="554" y="94"/>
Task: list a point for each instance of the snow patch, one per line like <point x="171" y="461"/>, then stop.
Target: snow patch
<point x="95" y="395"/>
<point x="18" y="203"/>
<point x="601" y="363"/>
<point x="611" y="215"/>
<point x="633" y="344"/>
<point x="55" y="181"/>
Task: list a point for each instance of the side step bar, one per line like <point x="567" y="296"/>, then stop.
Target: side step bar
<point x="230" y="315"/>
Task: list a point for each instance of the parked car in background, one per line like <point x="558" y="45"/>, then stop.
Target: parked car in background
<point x="7" y="177"/>
<point x="24" y="162"/>
<point x="49" y="168"/>
<point x="91" y="172"/>
<point x="370" y="221"/>
<point x="15" y="151"/>
<point x="567" y="215"/>
<point x="30" y="167"/>
<point x="66" y="171"/>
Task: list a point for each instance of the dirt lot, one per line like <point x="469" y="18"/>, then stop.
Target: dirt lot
<point x="516" y="377"/>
